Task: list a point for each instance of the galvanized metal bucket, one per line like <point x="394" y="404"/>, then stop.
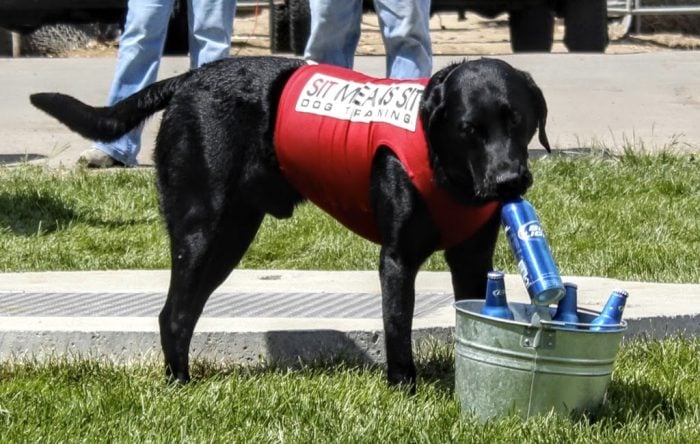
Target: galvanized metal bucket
<point x="527" y="366"/>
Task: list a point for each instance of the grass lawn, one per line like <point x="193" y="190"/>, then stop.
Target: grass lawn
<point x="629" y="217"/>
<point x="654" y="397"/>
<point x="634" y="217"/>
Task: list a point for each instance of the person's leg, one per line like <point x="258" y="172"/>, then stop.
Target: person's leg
<point x="211" y="27"/>
<point x="140" y="49"/>
<point x="405" y="26"/>
<point x="335" y="31"/>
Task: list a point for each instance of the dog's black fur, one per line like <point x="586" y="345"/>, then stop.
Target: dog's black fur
<point x="218" y="177"/>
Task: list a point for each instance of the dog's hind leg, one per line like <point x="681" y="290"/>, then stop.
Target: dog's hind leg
<point x="204" y="251"/>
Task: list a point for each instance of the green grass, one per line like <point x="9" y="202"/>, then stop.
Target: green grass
<point x="654" y="396"/>
<point x="636" y="216"/>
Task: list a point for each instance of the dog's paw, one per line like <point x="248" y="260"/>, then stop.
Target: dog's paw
<point x="403" y="380"/>
<point x="179" y="378"/>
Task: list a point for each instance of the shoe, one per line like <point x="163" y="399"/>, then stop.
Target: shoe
<point x="94" y="158"/>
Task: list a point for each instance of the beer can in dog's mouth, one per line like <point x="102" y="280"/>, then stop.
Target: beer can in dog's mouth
<point x="531" y="250"/>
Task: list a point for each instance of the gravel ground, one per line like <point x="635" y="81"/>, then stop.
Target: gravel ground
<point x="473" y="36"/>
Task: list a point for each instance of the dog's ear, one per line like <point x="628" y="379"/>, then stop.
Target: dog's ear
<point x="541" y="109"/>
<point x="433" y="106"/>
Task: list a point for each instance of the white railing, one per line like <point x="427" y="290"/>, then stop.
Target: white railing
<point x="627" y="9"/>
<point x="635" y="7"/>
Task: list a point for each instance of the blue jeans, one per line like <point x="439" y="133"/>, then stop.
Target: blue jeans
<point x="141" y="47"/>
<point x="335" y="32"/>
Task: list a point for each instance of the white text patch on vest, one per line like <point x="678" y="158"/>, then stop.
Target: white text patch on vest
<point x="396" y="104"/>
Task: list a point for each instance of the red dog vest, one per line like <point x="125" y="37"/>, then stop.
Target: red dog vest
<point x="330" y="123"/>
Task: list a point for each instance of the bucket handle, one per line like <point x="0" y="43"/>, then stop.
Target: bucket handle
<point x="583" y="326"/>
<point x="542" y="338"/>
<point x="539" y="320"/>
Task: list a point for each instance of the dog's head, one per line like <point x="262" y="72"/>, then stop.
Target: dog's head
<point x="479" y="117"/>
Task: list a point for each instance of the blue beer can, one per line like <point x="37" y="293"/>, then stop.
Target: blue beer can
<point x="531" y="250"/>
<point x="495" y="303"/>
<point x="612" y="312"/>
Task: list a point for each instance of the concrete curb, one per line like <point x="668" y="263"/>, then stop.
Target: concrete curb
<point x="654" y="311"/>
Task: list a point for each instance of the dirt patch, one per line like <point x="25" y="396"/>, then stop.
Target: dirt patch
<point x="475" y="35"/>
<point x="450" y="36"/>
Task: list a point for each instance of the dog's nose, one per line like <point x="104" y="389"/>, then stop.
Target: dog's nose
<point x="513" y="183"/>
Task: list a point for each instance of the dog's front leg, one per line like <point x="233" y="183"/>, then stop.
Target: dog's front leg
<point x="471" y="260"/>
<point x="408" y="238"/>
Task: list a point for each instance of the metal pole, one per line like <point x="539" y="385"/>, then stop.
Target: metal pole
<point x="16" y="44"/>
<point x="638" y="9"/>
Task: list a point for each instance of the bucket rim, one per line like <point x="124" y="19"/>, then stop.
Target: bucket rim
<point x="554" y="325"/>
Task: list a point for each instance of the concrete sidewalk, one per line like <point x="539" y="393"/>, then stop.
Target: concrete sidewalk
<point x="647" y="101"/>
<point x="276" y="315"/>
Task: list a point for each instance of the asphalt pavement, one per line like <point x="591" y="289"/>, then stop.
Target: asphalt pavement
<point x="646" y="101"/>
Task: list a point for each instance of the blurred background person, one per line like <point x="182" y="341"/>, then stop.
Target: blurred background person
<point x="138" y="59"/>
<point x="405" y="28"/>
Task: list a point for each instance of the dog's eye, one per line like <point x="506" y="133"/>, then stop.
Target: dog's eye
<point x="513" y="118"/>
<point x="468" y="129"/>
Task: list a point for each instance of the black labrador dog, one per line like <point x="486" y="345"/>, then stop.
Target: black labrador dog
<point x="218" y="176"/>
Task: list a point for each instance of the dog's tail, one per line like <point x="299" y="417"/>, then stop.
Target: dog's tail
<point x="110" y="122"/>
